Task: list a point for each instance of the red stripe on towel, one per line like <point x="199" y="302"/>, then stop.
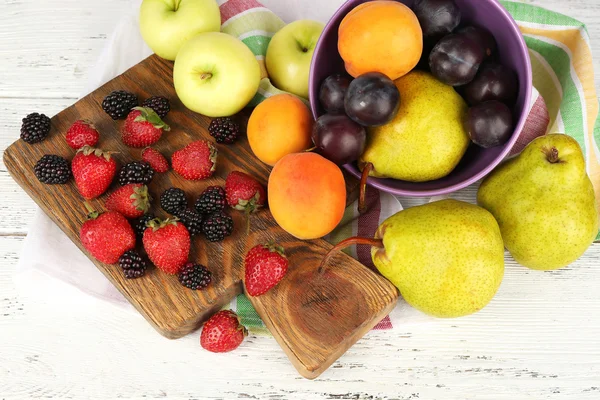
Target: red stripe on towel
<point x="235" y="7"/>
<point x="367" y="226"/>
<point x="536" y="125"/>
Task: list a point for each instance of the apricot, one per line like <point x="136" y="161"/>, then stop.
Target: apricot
<point x="380" y="36"/>
<point x="280" y="125"/>
<point x="307" y="195"/>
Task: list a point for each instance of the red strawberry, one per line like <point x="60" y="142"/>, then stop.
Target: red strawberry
<point x="82" y="133"/>
<point x="132" y="200"/>
<point x="264" y="267"/>
<point x="142" y="127"/>
<point x="157" y="161"/>
<point x="93" y="170"/>
<point x="107" y="236"/>
<point x="244" y="193"/>
<point x="167" y="244"/>
<point x="223" y="332"/>
<point x="197" y="160"/>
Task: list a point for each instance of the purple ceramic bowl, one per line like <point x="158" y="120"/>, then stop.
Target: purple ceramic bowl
<point x="477" y="162"/>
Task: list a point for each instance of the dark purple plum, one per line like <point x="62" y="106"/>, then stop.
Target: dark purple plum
<point x="490" y="124"/>
<point x="484" y="37"/>
<point x="437" y="17"/>
<point x="339" y="139"/>
<point x="493" y="82"/>
<point x="455" y="59"/>
<point x="332" y="93"/>
<point x="372" y="99"/>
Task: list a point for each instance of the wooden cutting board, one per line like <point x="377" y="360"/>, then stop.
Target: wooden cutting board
<point x="315" y="318"/>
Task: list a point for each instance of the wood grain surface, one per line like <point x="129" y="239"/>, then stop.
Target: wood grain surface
<point x="315" y="318"/>
<point x="538" y="339"/>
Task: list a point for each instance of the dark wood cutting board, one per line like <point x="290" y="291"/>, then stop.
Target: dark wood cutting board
<point x="315" y="318"/>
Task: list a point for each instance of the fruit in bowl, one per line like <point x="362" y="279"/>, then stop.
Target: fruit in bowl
<point x="216" y="74"/>
<point x="290" y="53"/>
<point x="167" y="24"/>
<point x="493" y="62"/>
<point x="426" y="139"/>
<point x="380" y="36"/>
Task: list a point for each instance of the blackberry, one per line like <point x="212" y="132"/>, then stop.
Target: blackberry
<point x="139" y="225"/>
<point x="195" y="276"/>
<point x="191" y="220"/>
<point x="133" y="264"/>
<point x="51" y="169"/>
<point x="224" y="130"/>
<point x="217" y="226"/>
<point x="35" y="128"/>
<point x="159" y="104"/>
<point x="136" y="172"/>
<point x="173" y="200"/>
<point x="119" y="103"/>
<point x="211" y="200"/>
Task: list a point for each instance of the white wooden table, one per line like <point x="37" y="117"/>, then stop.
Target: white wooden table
<point x="538" y="339"/>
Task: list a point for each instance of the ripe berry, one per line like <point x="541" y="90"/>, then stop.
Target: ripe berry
<point x="82" y="133"/>
<point x="167" y="244"/>
<point x="140" y="224"/>
<point x="52" y="169"/>
<point x="191" y="220"/>
<point x="157" y="161"/>
<point x="136" y="172"/>
<point x="173" y="200"/>
<point x="159" y="104"/>
<point x="195" y="276"/>
<point x="264" y="267"/>
<point x="211" y="200"/>
<point x="119" y="103"/>
<point x="224" y="130"/>
<point x="133" y="264"/>
<point x="217" y="226"/>
<point x="222" y="332"/>
<point x="197" y="160"/>
<point x="35" y="128"/>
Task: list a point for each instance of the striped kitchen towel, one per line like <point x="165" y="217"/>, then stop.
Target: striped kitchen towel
<point x="564" y="100"/>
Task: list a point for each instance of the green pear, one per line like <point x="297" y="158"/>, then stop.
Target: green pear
<point x="544" y="203"/>
<point x="446" y="257"/>
<point x="426" y="139"/>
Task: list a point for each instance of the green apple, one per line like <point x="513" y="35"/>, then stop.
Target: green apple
<point x="290" y="53"/>
<point x="167" y="24"/>
<point x="215" y="74"/>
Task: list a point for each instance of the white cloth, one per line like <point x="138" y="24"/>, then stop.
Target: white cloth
<point x="51" y="266"/>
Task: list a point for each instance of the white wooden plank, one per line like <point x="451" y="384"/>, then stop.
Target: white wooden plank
<point x="538" y="340"/>
<point x="48" y="46"/>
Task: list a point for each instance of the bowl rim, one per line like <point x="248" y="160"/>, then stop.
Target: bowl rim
<point x="379" y="183"/>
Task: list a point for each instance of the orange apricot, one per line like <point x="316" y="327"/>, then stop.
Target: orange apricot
<point x="280" y="125"/>
<point x="307" y="195"/>
<point x="382" y="36"/>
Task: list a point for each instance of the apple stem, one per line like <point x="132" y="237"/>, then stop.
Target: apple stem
<point x="552" y="155"/>
<point x="362" y="197"/>
<point x="311" y="149"/>
<point x="177" y="3"/>
<point x="378" y="243"/>
<point x="205" y="75"/>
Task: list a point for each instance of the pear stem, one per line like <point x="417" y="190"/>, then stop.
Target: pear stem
<point x="378" y="243"/>
<point x="362" y="197"/>
<point x="552" y="155"/>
